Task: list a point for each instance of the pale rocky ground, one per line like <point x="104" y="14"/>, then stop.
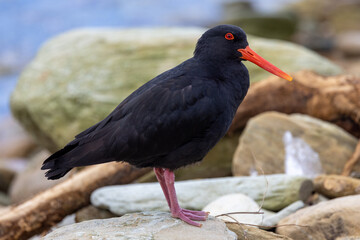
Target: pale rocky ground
<point x="143" y="226"/>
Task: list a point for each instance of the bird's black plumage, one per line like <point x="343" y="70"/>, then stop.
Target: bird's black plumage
<point x="172" y="120"/>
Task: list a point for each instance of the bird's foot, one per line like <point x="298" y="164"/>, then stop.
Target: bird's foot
<point x="189" y="215"/>
<point x="198" y="213"/>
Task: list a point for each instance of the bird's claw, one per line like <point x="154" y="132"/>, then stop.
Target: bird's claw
<point x="189" y="215"/>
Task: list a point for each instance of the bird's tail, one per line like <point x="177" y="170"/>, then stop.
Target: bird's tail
<point x="54" y="163"/>
<point x="78" y="153"/>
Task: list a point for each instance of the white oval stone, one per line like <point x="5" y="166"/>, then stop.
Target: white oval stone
<point x="236" y="202"/>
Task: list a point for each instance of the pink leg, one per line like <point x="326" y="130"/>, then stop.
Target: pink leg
<point x="159" y="172"/>
<point x="176" y="210"/>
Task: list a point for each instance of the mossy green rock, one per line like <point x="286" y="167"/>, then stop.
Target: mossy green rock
<point x="79" y="77"/>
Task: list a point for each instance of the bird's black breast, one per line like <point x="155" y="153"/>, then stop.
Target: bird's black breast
<point x="171" y="121"/>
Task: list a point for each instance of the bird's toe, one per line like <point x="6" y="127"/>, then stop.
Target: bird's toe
<point x="198" y="213"/>
<point x="195" y="217"/>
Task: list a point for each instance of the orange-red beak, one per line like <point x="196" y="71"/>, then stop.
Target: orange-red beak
<point x="250" y="55"/>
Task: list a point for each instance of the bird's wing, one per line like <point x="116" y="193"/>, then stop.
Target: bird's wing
<point x="162" y="118"/>
<point x="155" y="120"/>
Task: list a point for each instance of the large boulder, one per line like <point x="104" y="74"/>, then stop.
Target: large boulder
<point x="297" y="144"/>
<point x="77" y="78"/>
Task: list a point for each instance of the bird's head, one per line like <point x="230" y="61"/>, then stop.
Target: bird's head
<point x="228" y="42"/>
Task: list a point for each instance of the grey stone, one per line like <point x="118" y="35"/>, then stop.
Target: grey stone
<point x="143" y="226"/>
<point x="279" y="190"/>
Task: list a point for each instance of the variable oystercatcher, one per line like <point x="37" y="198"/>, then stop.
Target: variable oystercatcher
<point x="174" y="119"/>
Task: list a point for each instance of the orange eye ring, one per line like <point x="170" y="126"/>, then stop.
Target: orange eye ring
<point x="229" y="36"/>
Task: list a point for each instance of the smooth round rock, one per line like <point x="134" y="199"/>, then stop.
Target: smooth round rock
<point x="236" y="202"/>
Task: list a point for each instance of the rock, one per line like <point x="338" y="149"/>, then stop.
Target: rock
<point x="279" y="190"/>
<point x="6" y="176"/>
<point x="272" y="220"/>
<point x="324" y="20"/>
<point x="23" y="186"/>
<point x="4" y="199"/>
<point x="235" y="202"/>
<point x="69" y="219"/>
<point x="14" y="141"/>
<point x="90" y="212"/>
<point x="9" y="167"/>
<point x="284" y="52"/>
<point x="270" y="25"/>
<point x="310" y="144"/>
<point x="333" y="219"/>
<point x="252" y="233"/>
<point x="141" y="226"/>
<point x="350" y="65"/>
<point x="332" y="16"/>
<point x="333" y="186"/>
<point x="15" y="165"/>
<point x="65" y="89"/>
<point x="349" y="43"/>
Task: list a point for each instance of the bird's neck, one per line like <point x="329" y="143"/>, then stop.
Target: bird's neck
<point x="231" y="75"/>
<point x="231" y="71"/>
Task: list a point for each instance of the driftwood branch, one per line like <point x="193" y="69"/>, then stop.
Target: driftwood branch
<point x="333" y="186"/>
<point x="334" y="99"/>
<point x="355" y="158"/>
<point x="51" y="206"/>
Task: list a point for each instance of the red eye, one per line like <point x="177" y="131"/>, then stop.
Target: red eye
<point x="229" y="36"/>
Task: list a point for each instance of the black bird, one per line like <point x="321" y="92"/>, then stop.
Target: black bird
<point x="174" y="119"/>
